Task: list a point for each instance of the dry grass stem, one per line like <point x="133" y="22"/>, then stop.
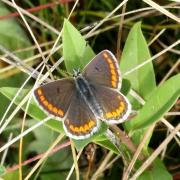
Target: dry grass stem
<point x="24" y="133"/>
<point x="152" y="58"/>
<point x="162" y="10"/>
<point x="73" y="166"/>
<point x="55" y="31"/>
<point x="75" y="159"/>
<point x="102" y="165"/>
<point x="58" y="139"/>
<point x="155" y="153"/>
<point x="137" y="153"/>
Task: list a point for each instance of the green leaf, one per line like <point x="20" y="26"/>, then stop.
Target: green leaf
<point x="160" y="101"/>
<point x="14" y="175"/>
<point x="77" y="53"/>
<point x="43" y="138"/>
<point x="108" y="145"/>
<point x="12" y="35"/>
<point x="134" y="53"/>
<point x="14" y="81"/>
<point x="158" y="172"/>
<point x="2" y="170"/>
<point x="126" y="86"/>
<point x="142" y="80"/>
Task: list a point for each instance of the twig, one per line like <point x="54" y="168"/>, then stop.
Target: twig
<point x="36" y="8"/>
<point x="33" y="17"/>
<point x="54" y="150"/>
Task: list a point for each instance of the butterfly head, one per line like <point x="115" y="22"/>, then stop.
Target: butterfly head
<point x="76" y="72"/>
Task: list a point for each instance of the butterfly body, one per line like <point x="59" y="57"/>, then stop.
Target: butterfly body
<point x="85" y="90"/>
<point x="87" y="98"/>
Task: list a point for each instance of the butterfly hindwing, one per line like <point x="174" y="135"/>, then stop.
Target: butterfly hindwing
<point x="80" y="122"/>
<point x="115" y="106"/>
<point x="55" y="97"/>
<point x="103" y="70"/>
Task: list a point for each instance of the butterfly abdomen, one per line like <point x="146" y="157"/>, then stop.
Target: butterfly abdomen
<point x="85" y="90"/>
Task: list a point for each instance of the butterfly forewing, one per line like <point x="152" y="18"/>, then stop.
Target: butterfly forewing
<point x="115" y="106"/>
<point x="80" y="122"/>
<point x="55" y="97"/>
<point x="103" y="70"/>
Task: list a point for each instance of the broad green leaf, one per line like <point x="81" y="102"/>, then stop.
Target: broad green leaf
<point x="12" y="36"/>
<point x="134" y="53"/>
<point x="160" y="101"/>
<point x="77" y="53"/>
<point x="43" y="138"/>
<point x="15" y="81"/>
<point x="142" y="80"/>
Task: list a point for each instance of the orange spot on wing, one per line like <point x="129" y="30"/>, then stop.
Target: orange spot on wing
<point x="50" y="107"/>
<point x="55" y="110"/>
<point x="60" y="112"/>
<point x="122" y="104"/>
<point x="113" y="72"/>
<point x="71" y="127"/>
<point x="114" y="114"/>
<point x="118" y="111"/>
<point x="81" y="129"/>
<point x="39" y="91"/>
<point x="109" y="61"/>
<point x="91" y="124"/>
<point x="111" y="66"/>
<point x="114" y="78"/>
<point x="76" y="129"/>
<point x="114" y="84"/>
<point x="45" y="103"/>
<point x="108" y="115"/>
<point x="105" y="55"/>
<point x="42" y="98"/>
<point x="86" y="127"/>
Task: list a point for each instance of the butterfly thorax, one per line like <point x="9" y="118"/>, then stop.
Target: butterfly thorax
<point x="85" y="90"/>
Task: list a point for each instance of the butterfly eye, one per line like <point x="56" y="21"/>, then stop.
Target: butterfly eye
<point x="76" y="72"/>
<point x="97" y="69"/>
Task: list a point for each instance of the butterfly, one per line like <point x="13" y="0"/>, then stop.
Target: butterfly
<point x="83" y="101"/>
